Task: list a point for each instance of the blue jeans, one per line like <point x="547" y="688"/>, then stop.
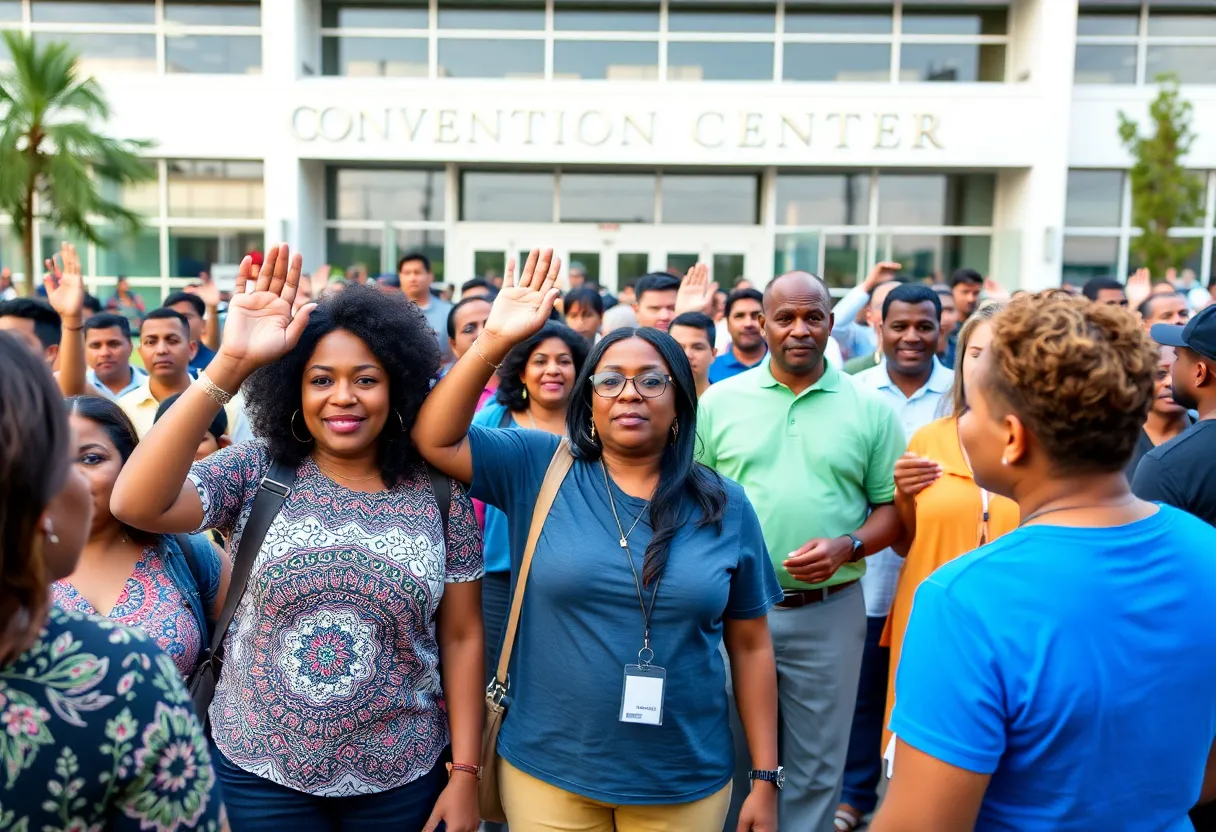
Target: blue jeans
<point x="863" y="766"/>
<point x="256" y="804"/>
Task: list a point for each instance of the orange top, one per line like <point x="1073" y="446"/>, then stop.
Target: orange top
<point x="949" y="518"/>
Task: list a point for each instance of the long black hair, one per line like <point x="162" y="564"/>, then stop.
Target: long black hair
<point x="680" y="475"/>
<point x="510" y="386"/>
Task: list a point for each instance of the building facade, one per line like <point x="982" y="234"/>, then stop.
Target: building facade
<point x="636" y="135"/>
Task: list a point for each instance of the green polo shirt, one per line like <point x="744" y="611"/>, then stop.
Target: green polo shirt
<point x="812" y="464"/>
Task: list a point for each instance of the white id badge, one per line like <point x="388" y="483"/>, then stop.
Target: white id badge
<point x="642" y="694"/>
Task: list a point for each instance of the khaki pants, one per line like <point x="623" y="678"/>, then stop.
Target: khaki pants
<point x="534" y="806"/>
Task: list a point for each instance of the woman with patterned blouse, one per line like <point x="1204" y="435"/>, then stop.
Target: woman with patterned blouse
<point x="96" y="729"/>
<point x="138" y="579"/>
<point x="329" y="713"/>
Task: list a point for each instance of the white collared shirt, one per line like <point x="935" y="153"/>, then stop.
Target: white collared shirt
<point x="138" y="379"/>
<point x="140" y="405"/>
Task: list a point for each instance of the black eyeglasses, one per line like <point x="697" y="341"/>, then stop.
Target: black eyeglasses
<point x="650" y="385"/>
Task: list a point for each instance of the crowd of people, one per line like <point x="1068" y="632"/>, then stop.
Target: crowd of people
<point x="713" y="559"/>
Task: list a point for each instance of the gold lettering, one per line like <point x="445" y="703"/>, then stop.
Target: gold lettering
<point x="645" y="134"/>
<point x="345" y="124"/>
<point x="529" y="117"/>
<point x="445" y="128"/>
<point x="843" y="118"/>
<point x="412" y="127"/>
<point x="311" y="135"/>
<point x="753" y="127"/>
<point x="604" y="124"/>
<point x="926" y="128"/>
<point x="492" y="131"/>
<point x="788" y="125"/>
<point x="366" y="119"/>
<point x="698" y="130"/>
<point x="887" y="124"/>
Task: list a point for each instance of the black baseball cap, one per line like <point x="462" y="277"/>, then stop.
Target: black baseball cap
<point x="1199" y="334"/>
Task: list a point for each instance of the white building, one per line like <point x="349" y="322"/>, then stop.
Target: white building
<point x="633" y="135"/>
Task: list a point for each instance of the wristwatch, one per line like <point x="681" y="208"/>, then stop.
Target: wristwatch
<point x="776" y="777"/>
<point x="859" y="549"/>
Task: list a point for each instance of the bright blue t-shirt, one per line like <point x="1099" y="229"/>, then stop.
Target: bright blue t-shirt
<point x="581" y="625"/>
<point x="1075" y="666"/>
<point x="495" y="540"/>
<point x="727" y="366"/>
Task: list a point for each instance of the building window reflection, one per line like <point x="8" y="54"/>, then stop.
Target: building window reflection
<point x="1177" y="38"/>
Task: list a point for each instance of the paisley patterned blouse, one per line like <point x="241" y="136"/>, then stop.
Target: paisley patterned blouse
<point x="97" y="732"/>
<point x="152" y="602"/>
<point x="331" y="680"/>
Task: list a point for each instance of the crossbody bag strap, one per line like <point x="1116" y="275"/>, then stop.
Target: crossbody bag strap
<point x="272" y="492"/>
<point x="441" y="485"/>
<point x="559" y="466"/>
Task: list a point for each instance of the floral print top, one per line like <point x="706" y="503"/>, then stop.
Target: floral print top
<point x="97" y="732"/>
<point x="330" y="684"/>
<point x="152" y="602"/>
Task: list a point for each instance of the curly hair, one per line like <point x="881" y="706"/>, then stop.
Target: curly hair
<point x="1079" y="375"/>
<point x="510" y="382"/>
<point x="396" y="332"/>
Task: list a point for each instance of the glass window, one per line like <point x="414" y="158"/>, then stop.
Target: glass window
<point x="607" y="197"/>
<point x="1086" y="257"/>
<point x="491" y="58"/>
<point x="842" y="254"/>
<point x="1182" y="23"/>
<point x="489" y="264"/>
<point x="958" y="62"/>
<point x="630" y="266"/>
<point x="841" y="20"/>
<point x="796" y="252"/>
<point x="719" y="61"/>
<point x="605" y="17"/>
<point x="133" y="256"/>
<point x="823" y="199"/>
<point x="1105" y="64"/>
<point x="10" y="11"/>
<point x="679" y="262"/>
<point x="1192" y="64"/>
<point x="706" y="17"/>
<point x="425" y="241"/>
<point x="234" y="13"/>
<point x="214" y="54"/>
<point x="206" y="188"/>
<point x="385" y="194"/>
<point x="606" y="60"/>
<point x="1108" y="23"/>
<point x="400" y="15"/>
<point x="107" y="53"/>
<point x="1095" y="198"/>
<point x="52" y="238"/>
<point x="487" y="196"/>
<point x="936" y="199"/>
<point x="346" y="248"/>
<point x="961" y="22"/>
<point x="143" y="198"/>
<point x="728" y="270"/>
<point x="195" y="250"/>
<point x="710" y="199"/>
<point x="375" y="57"/>
<point x="837" y="62"/>
<point x="935" y="257"/>
<point x="494" y="16"/>
<point x="83" y="11"/>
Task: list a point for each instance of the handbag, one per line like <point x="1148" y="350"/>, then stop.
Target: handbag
<point x="497" y="700"/>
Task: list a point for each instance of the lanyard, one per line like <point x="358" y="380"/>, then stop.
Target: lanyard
<point x="645" y="655"/>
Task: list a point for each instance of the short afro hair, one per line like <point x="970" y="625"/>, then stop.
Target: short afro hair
<point x="396" y="332"/>
<point x="511" y="386"/>
<point x="1078" y="374"/>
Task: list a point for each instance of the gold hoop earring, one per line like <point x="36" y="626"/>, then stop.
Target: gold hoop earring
<point x="675" y="431"/>
<point x="593" y="436"/>
<point x="294" y="435"/>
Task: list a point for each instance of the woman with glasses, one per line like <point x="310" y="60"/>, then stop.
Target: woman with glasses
<point x="647" y="563"/>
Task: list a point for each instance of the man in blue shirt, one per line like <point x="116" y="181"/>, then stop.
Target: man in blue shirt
<point x="747" y="347"/>
<point x="107" y="351"/>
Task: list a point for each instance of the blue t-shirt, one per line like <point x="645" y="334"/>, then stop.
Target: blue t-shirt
<point x="495" y="540"/>
<point x="1076" y="667"/>
<point x="581" y="624"/>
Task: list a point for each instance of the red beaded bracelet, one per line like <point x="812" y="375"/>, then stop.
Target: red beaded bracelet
<point x="467" y="769"/>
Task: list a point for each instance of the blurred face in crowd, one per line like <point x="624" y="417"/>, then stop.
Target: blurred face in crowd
<point x="470" y="321"/>
<point x="303" y="294"/>
<point x="108" y="354"/>
<point x="909" y="337"/>
<point x="166" y="349"/>
<point x="584" y="320"/>
<point x="874" y="309"/>
<point x="577" y="278"/>
<point x="1164" y="403"/>
<point x="744" y="324"/>
<point x="970" y="353"/>
<point x="415" y="280"/>
<point x="187" y="311"/>
<point x="475" y="292"/>
<point x="626" y="296"/>
<point x="797" y="321"/>
<point x="1112" y="297"/>
<point x="949" y="317"/>
<point x="549" y="374"/>
<point x="1191" y="373"/>
<point x="695" y="343"/>
<point x="966" y="296"/>
<point x="1168" y="309"/>
<point x="656" y="309"/>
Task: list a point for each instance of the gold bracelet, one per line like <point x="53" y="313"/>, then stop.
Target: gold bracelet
<point x="218" y="394"/>
<point x="482" y="355"/>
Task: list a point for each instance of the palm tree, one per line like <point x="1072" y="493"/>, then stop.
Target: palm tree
<point x="52" y="158"/>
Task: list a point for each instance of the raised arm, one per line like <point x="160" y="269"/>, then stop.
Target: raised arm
<point x="152" y="492"/>
<point x="65" y="292"/>
<point x="519" y="311"/>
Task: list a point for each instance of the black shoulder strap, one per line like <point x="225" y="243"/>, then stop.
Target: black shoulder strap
<point x="442" y="486"/>
<point x="272" y="491"/>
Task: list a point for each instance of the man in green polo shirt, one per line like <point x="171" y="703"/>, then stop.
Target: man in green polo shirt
<point x="815" y="452"/>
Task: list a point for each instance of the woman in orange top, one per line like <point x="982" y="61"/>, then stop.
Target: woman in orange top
<point x="945" y="514"/>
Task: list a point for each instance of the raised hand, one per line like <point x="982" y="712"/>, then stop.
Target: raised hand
<point x="994" y="290"/>
<point x="523" y="306"/>
<point x="696" y="292"/>
<point x="260" y="327"/>
<point x="1139" y="287"/>
<point x="64" y="283"/>
<point x="881" y="273"/>
<point x="913" y="474"/>
<point x="208" y="292"/>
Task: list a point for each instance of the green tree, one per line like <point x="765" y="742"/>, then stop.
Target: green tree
<point x="1165" y="194"/>
<point x="53" y="159"/>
